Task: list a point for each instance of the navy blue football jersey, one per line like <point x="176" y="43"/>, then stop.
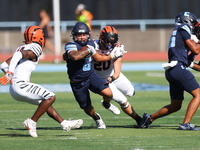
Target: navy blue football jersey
<point x="79" y="70"/>
<point x="177" y="49"/>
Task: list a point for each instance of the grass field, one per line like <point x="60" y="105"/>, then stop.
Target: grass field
<point x="121" y="132"/>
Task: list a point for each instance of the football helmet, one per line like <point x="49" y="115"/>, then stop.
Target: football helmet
<point x="80" y="28"/>
<point x="34" y="34"/>
<point x="196" y="30"/>
<point x="186" y="17"/>
<point x="108" y="37"/>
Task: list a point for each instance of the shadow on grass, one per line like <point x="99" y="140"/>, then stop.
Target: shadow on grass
<point x="14" y="135"/>
<point x="172" y="127"/>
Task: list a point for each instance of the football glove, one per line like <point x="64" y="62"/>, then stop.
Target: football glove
<point x="91" y="49"/>
<point x="5" y="79"/>
<point x="118" y="51"/>
<point x="194" y="38"/>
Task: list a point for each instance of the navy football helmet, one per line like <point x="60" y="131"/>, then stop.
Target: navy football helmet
<point x="79" y="28"/>
<point x="108" y="35"/>
<point x="186" y="17"/>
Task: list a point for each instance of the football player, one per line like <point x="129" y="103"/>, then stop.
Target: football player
<point x="179" y="77"/>
<point x="111" y="71"/>
<point x="78" y="56"/>
<point x="18" y="70"/>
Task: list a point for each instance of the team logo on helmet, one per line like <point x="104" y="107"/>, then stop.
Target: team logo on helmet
<point x="34" y="34"/>
<point x="187" y="18"/>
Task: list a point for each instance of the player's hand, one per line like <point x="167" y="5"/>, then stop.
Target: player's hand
<point x="5" y="79"/>
<point x="91" y="49"/>
<point x="118" y="51"/>
<point x="65" y="56"/>
<point x="194" y="38"/>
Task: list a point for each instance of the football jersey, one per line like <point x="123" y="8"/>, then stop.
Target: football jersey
<point x="178" y="51"/>
<point x="105" y="68"/>
<point x="25" y="66"/>
<point x="79" y="70"/>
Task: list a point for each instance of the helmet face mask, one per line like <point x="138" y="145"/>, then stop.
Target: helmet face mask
<point x="108" y="37"/>
<point x="187" y="18"/>
<point x="78" y="29"/>
<point x="34" y="34"/>
<point x="196" y="30"/>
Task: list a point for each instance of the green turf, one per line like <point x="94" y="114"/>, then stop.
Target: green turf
<point x="121" y="132"/>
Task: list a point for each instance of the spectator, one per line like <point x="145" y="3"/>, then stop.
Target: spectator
<point x="83" y="15"/>
<point x="48" y="31"/>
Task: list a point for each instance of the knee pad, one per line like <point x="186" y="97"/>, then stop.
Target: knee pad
<point x="125" y="106"/>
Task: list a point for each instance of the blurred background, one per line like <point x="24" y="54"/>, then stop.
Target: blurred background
<point x="143" y="25"/>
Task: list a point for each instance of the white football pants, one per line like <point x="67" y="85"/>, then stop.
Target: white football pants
<point x="29" y="92"/>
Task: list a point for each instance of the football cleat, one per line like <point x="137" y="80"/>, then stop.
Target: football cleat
<point x="100" y="124"/>
<point x="72" y="124"/>
<point x="31" y="127"/>
<point x="112" y="108"/>
<point x="188" y="126"/>
<point x="145" y="121"/>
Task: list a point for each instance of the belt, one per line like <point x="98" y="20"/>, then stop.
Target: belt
<point x="75" y="81"/>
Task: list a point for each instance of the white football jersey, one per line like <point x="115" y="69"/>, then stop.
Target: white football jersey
<point x="25" y="66"/>
<point x="118" y="87"/>
<point x="104" y="69"/>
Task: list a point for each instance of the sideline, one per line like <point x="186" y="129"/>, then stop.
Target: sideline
<point x="67" y="88"/>
<point x="137" y="66"/>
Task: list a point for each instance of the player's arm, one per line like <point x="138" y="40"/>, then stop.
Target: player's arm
<point x="28" y="54"/>
<point x="76" y="55"/>
<point x="194" y="47"/>
<point x="5" y="65"/>
<point x="117" y="70"/>
<point x="116" y="53"/>
<point x="195" y="66"/>
<point x="191" y="43"/>
<point x="83" y="53"/>
<point x="99" y="57"/>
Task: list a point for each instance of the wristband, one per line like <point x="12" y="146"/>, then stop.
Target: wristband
<point x="4" y="67"/>
<point x="112" y="77"/>
<point x="191" y="65"/>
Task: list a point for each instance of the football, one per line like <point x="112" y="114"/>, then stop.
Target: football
<point x="83" y="48"/>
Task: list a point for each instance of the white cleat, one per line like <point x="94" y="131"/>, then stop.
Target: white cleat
<point x="100" y="124"/>
<point x="72" y="124"/>
<point x="31" y="127"/>
<point x="112" y="108"/>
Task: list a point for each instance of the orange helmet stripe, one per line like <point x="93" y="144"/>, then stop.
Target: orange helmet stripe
<point x="109" y="29"/>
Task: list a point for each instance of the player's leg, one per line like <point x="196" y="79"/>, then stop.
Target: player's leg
<point x="82" y="96"/>
<point x="193" y="106"/>
<point x="124" y="85"/>
<point x="66" y="124"/>
<point x="125" y="105"/>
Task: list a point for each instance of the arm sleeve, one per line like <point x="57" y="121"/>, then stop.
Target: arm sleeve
<point x="15" y="59"/>
<point x="4" y="67"/>
<point x="185" y="34"/>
